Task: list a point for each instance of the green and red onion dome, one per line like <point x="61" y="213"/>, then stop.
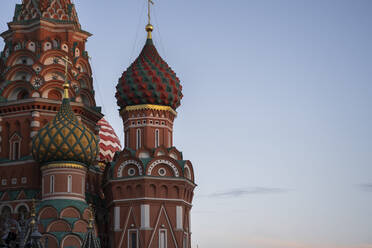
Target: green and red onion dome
<point x="149" y="80"/>
<point x="65" y="139"/>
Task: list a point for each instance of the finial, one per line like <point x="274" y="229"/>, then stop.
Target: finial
<point x="149" y="27"/>
<point x="91" y="217"/>
<point x="33" y="212"/>
<point x="66" y="86"/>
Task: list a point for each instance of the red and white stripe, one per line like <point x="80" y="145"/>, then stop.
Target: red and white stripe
<point x="109" y="142"/>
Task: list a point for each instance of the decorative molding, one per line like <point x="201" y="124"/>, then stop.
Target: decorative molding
<point x="151" y="199"/>
<point x="163" y="161"/>
<point x="63" y="165"/>
<point x="128" y="162"/>
<point x="151" y="107"/>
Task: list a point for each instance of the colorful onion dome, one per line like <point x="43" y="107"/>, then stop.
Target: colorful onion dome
<point x="149" y="80"/>
<point x="51" y="10"/>
<point x="109" y="142"/>
<point x="65" y="138"/>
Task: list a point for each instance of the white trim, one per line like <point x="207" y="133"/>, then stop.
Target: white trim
<point x="165" y="245"/>
<point x="163" y="161"/>
<point x="128" y="162"/>
<point x="64" y="198"/>
<point x="56" y="171"/>
<point x="83" y="185"/>
<point x="151" y="199"/>
<point x="145" y="216"/>
<point x="35" y="124"/>
<point x="157" y="138"/>
<point x="179" y="179"/>
<point x="188" y="168"/>
<point x="20" y="205"/>
<point x="179" y="217"/>
<point x="69" y="184"/>
<point x="125" y="227"/>
<point x="116" y="218"/>
<point x="70" y="234"/>
<point x="51" y="184"/>
<point x="6" y="205"/>
<point x="14" y="201"/>
<point x="138" y="138"/>
<point x="63" y="193"/>
<point x="146" y="118"/>
<point x="157" y="224"/>
<point x="185" y="240"/>
<point x="16" y="162"/>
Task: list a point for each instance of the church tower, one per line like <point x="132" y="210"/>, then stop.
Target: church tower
<point x="31" y="78"/>
<point x="47" y="95"/>
<point x="149" y="186"/>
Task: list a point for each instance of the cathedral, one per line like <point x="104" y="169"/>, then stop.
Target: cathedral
<point x="65" y="179"/>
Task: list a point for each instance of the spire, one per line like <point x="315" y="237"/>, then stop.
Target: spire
<point x="90" y="240"/>
<point x="149" y="27"/>
<point x="66" y="85"/>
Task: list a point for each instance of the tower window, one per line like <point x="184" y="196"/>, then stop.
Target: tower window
<point x="156" y="138"/>
<point x="15" y="147"/>
<point x="51" y="184"/>
<point x="69" y="183"/>
<point x="132" y="239"/>
<point x="138" y="145"/>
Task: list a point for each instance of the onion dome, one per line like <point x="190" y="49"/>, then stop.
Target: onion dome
<point x="109" y="142"/>
<point x="65" y="138"/>
<point x="149" y="80"/>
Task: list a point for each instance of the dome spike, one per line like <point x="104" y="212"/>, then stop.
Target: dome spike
<point x="66" y="85"/>
<point x="149" y="27"/>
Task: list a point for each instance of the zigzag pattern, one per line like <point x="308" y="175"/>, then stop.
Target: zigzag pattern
<point x="109" y="142"/>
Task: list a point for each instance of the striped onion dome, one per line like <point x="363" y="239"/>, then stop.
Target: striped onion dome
<point x="109" y="142"/>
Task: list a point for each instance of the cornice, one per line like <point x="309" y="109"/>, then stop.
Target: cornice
<point x="150" y="107"/>
<point x="63" y="165"/>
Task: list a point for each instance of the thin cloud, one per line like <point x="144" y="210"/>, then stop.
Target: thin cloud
<point x="366" y="187"/>
<point x="239" y="192"/>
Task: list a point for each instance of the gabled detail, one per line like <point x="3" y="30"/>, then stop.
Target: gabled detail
<point x="156" y="228"/>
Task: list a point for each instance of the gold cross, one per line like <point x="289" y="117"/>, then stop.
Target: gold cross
<point x="148" y="10"/>
<point x="66" y="85"/>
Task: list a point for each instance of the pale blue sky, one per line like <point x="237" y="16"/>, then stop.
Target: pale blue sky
<point x="276" y="114"/>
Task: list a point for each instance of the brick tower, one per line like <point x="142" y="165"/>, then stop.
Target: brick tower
<point x="149" y="186"/>
<point x="32" y="74"/>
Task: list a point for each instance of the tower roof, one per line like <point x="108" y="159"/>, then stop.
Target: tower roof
<point x="65" y="138"/>
<point x="52" y="10"/>
<point x="149" y="80"/>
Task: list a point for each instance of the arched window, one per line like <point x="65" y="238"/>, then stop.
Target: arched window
<point x="51" y="184"/>
<point x="15" y="147"/>
<point x="156" y="138"/>
<point x="138" y="143"/>
<point x="69" y="183"/>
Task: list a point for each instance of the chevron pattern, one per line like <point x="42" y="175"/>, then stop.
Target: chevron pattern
<point x="109" y="142"/>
